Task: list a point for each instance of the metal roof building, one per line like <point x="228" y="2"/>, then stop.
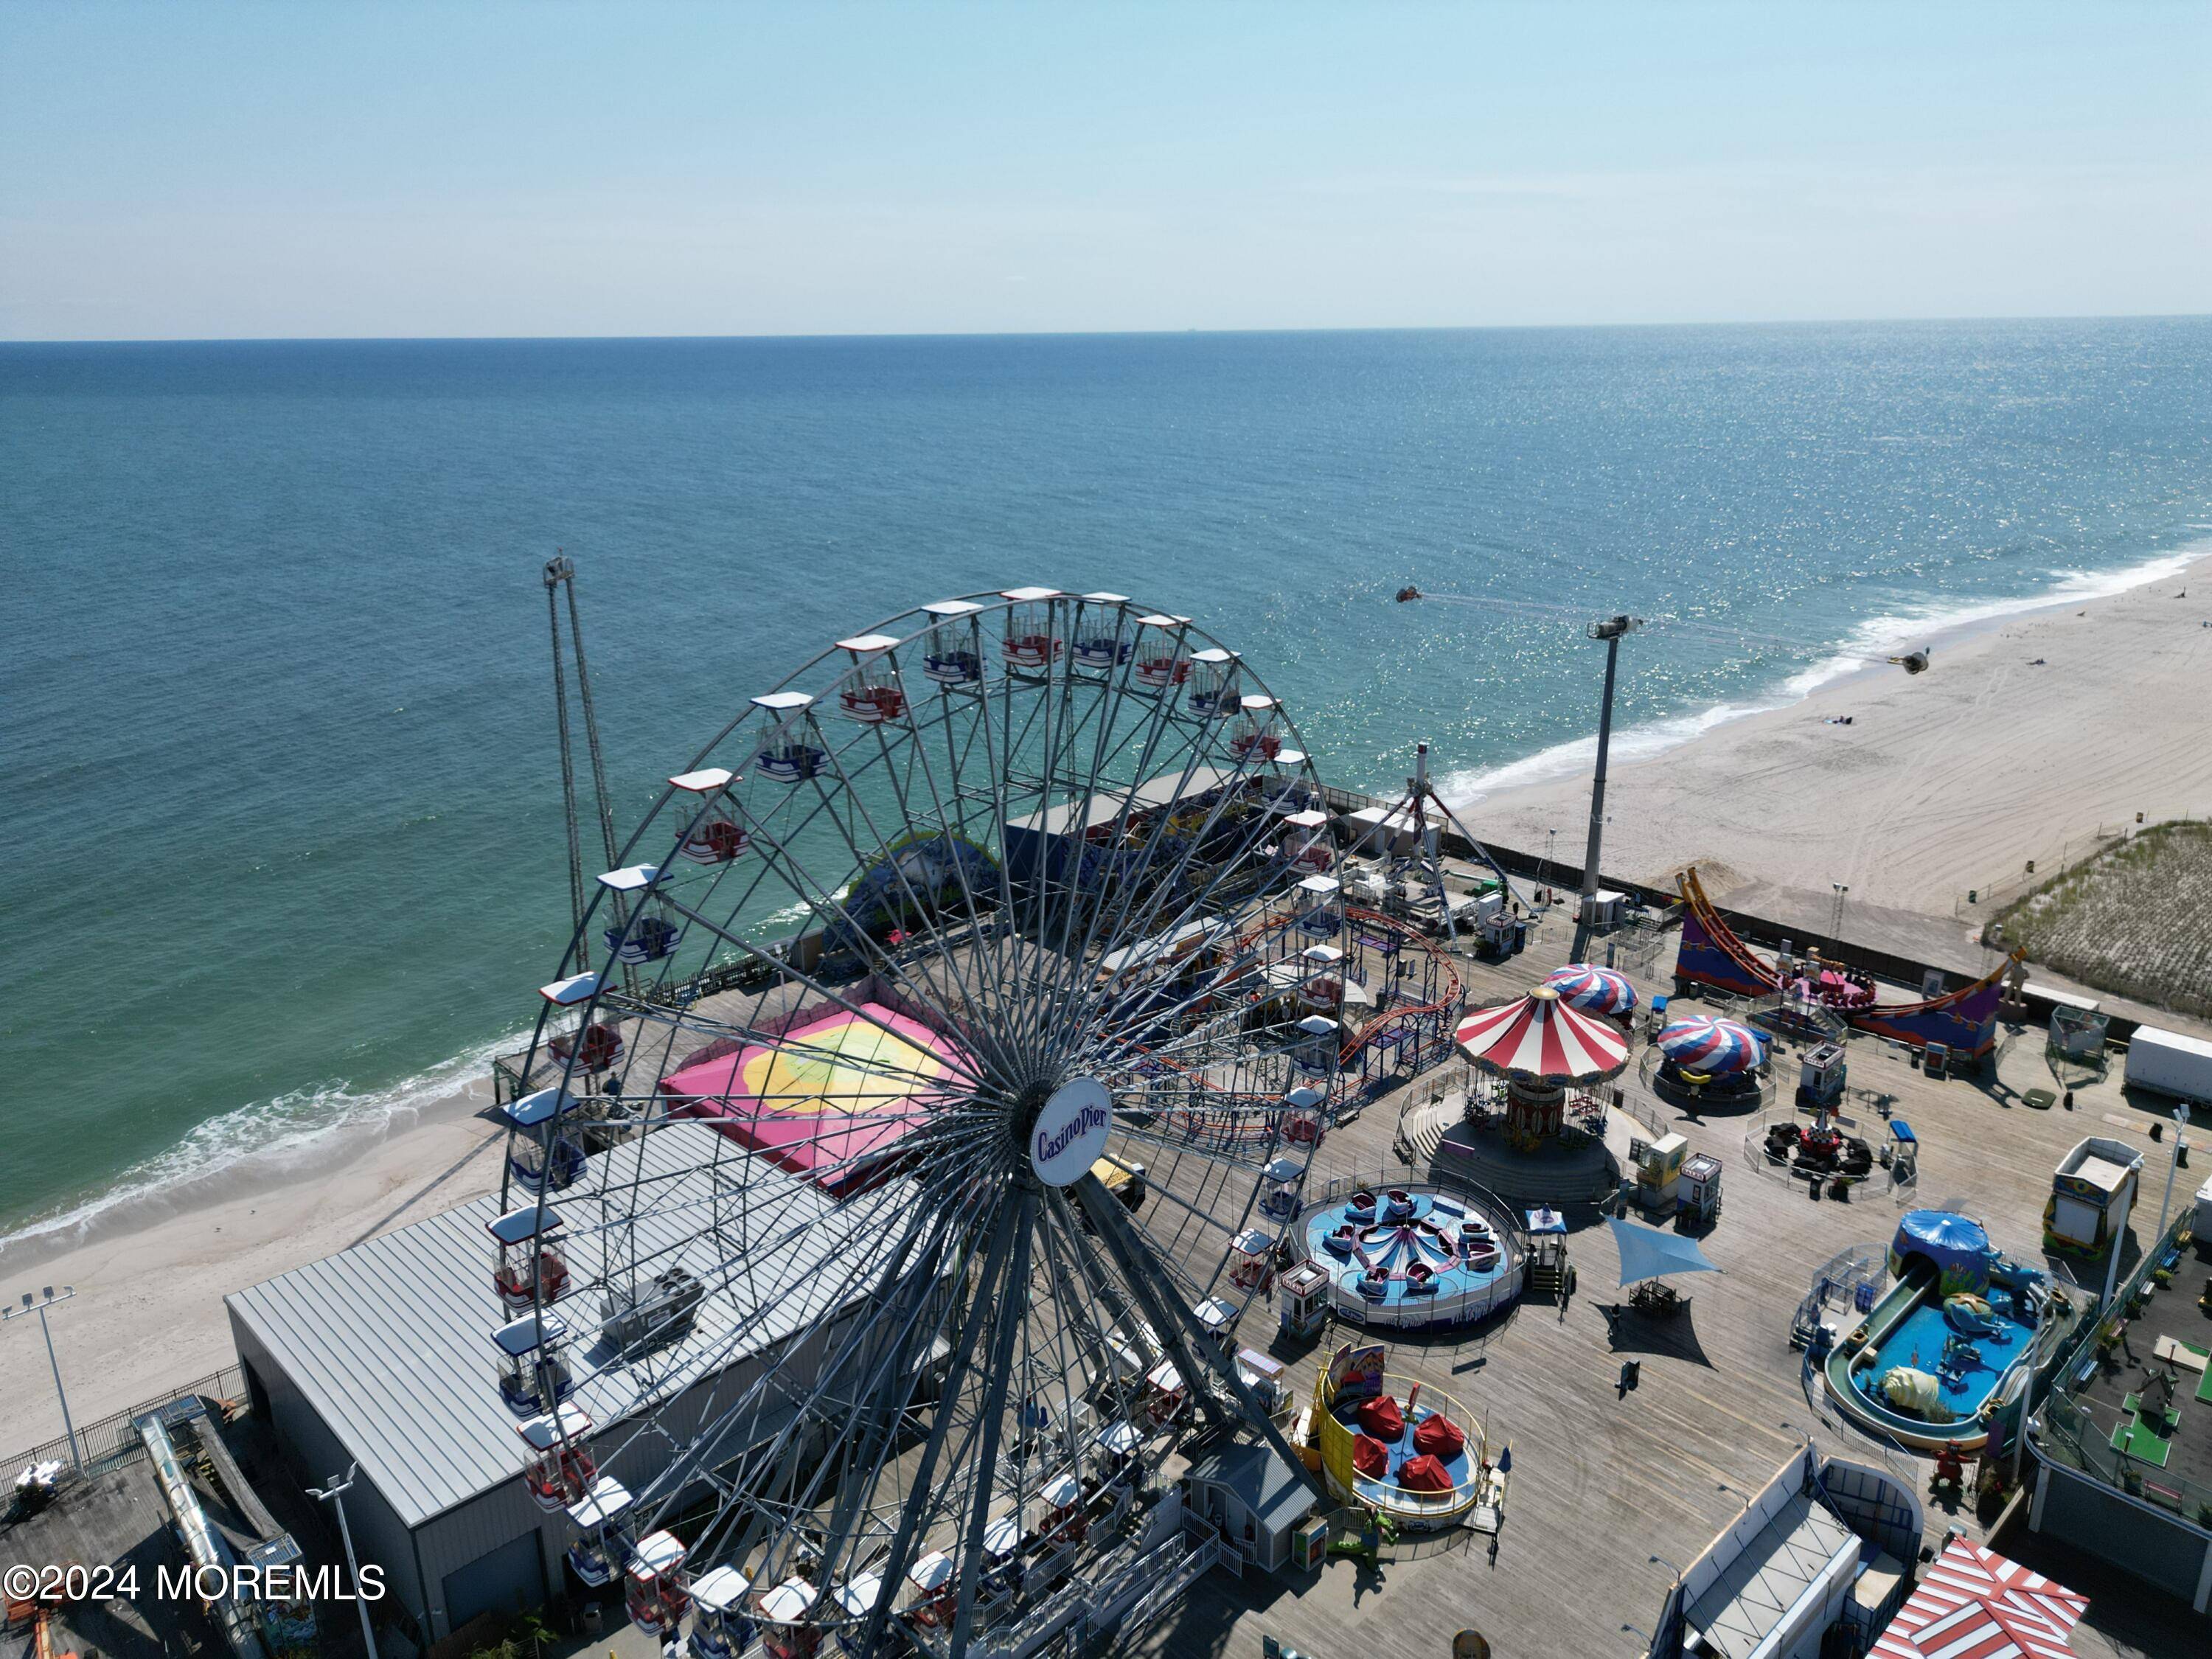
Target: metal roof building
<point x="380" y="1355"/>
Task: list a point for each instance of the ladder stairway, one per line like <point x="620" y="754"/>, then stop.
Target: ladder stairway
<point x="1421" y="1130"/>
<point x="1797" y="1017"/>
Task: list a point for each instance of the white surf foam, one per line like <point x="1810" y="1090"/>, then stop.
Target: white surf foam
<point x="1869" y="643"/>
<point x="261" y="1142"/>
<point x="302" y="1130"/>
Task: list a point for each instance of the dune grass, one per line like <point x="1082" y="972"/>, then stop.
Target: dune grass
<point x="2134" y="919"/>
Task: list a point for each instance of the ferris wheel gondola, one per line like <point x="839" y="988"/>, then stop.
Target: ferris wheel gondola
<point x="962" y="913"/>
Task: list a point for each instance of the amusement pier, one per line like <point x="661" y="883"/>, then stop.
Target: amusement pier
<point x="1011" y="1161"/>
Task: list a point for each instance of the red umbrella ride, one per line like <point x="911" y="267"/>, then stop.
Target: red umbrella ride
<point x="1540" y="1045"/>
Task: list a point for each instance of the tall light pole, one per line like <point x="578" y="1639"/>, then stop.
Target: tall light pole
<point x="2180" y="1124"/>
<point x="47" y="1299"/>
<point x="1611" y="630"/>
<point x="334" y="1494"/>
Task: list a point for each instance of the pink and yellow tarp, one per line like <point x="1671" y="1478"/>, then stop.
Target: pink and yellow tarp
<point x="829" y="1100"/>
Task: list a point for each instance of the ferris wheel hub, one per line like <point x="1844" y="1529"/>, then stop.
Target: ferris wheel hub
<point x="1067" y="1132"/>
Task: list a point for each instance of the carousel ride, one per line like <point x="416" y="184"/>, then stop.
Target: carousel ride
<point x="1548" y="1140"/>
<point x="834" y="1312"/>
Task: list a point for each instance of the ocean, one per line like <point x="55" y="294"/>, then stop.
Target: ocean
<point x="278" y="790"/>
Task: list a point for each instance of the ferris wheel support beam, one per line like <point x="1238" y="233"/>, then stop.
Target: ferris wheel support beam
<point x="1094" y="1274"/>
<point x="1010" y="1309"/>
<point x="1173" y="1323"/>
<point x="919" y="1288"/>
<point x="1086" y="1334"/>
<point x="910" y="1516"/>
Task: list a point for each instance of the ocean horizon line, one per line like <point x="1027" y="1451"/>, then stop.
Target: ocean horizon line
<point x="1157" y="333"/>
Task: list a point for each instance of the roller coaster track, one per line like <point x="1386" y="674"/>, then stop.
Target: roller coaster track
<point x="1451" y="994"/>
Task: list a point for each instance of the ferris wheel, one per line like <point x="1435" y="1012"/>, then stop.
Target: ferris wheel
<point x="907" y="1128"/>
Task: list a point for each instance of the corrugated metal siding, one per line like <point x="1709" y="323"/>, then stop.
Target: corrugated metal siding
<point x="315" y="1456"/>
<point x="2137" y="1539"/>
<point x="505" y="1580"/>
<point x="487" y="1522"/>
<point x="388" y="1341"/>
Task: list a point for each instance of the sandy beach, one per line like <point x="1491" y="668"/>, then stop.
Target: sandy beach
<point x="149" y="1308"/>
<point x="2022" y="738"/>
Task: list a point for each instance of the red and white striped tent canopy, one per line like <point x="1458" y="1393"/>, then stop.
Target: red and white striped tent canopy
<point x="1539" y="1037"/>
<point x="1974" y="1604"/>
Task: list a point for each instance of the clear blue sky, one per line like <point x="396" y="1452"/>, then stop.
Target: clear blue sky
<point x="202" y="169"/>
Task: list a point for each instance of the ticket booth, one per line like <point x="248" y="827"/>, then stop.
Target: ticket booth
<point x="1700" y="1198"/>
<point x="1659" y="1173"/>
<point x="1821" y="1079"/>
<point x="1267" y="1378"/>
<point x="1303" y="1300"/>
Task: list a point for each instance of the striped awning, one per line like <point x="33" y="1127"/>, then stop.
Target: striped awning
<point x="1700" y="1043"/>
<point x="1594" y="990"/>
<point x="1974" y="1604"/>
<point x="1539" y="1038"/>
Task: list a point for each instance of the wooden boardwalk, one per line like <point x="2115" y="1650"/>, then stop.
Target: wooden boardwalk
<point x="1601" y="1484"/>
